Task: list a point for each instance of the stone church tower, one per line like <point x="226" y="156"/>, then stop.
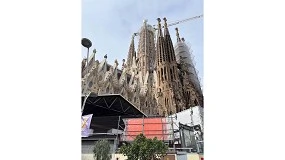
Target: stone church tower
<point x="146" y="49"/>
<point x="168" y="85"/>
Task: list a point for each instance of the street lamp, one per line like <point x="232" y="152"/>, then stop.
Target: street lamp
<point x="87" y="44"/>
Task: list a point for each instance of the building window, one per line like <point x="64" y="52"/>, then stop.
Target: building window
<point x="171" y="74"/>
<point x="174" y="76"/>
<point x="165" y="73"/>
<point x="196" y="102"/>
<point x="159" y="78"/>
<point x="162" y="74"/>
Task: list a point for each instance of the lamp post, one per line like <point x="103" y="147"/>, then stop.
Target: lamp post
<point x="87" y="44"/>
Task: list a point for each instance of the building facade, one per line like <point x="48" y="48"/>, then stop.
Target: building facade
<point x="158" y="78"/>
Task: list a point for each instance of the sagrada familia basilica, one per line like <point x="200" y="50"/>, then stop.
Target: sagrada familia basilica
<point x="159" y="78"/>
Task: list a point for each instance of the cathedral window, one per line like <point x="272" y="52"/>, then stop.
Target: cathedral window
<point x="119" y="75"/>
<point x="174" y="73"/>
<point x="90" y="84"/>
<point x="171" y="74"/>
<point x="162" y="74"/>
<point x="164" y="56"/>
<point x="196" y="102"/>
<point x="168" y="57"/>
<point x="167" y="102"/>
<point x="165" y="73"/>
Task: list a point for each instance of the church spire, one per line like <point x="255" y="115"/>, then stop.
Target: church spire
<point x="177" y="35"/>
<point x="159" y="34"/>
<point x="166" y="32"/>
<point x="146" y="50"/>
<point x="159" y="45"/>
<point x="168" y="43"/>
<point x="131" y="53"/>
<point x="167" y="81"/>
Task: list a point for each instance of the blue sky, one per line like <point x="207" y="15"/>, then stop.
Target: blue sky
<point x="109" y="24"/>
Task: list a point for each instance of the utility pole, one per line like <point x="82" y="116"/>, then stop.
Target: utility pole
<point x="115" y="142"/>
<point x="173" y="135"/>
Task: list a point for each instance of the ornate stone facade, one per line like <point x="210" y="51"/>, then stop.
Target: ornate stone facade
<point x="152" y="80"/>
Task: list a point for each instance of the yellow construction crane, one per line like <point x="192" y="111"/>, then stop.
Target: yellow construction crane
<point x="179" y="21"/>
<point x="175" y="22"/>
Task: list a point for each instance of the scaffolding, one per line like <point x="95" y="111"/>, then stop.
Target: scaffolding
<point x="164" y="129"/>
<point x="159" y="127"/>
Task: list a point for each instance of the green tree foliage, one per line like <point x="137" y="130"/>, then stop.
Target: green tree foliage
<point x="101" y="150"/>
<point x="144" y="149"/>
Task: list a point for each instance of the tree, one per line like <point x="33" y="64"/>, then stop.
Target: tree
<point x="101" y="150"/>
<point x="144" y="149"/>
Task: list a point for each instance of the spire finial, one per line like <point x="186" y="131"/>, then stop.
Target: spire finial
<point x="123" y="64"/>
<point x="105" y="56"/>
<point x="166" y="32"/>
<point x="177" y="35"/>
<point x="159" y="20"/>
<point x="159" y="27"/>
<point x="165" y="22"/>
